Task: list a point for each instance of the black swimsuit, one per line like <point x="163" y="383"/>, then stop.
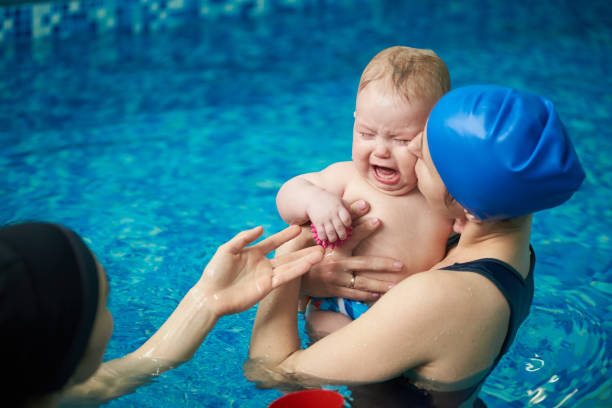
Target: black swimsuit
<point x="399" y="392"/>
<point x="518" y="292"/>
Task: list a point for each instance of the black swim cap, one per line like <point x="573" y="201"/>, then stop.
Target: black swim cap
<point x="48" y="303"/>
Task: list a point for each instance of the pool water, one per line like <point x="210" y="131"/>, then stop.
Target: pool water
<point x="160" y="146"/>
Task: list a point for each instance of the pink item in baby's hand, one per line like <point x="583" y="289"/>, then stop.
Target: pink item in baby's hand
<point x="325" y="243"/>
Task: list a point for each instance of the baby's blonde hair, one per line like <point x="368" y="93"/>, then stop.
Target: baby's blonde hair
<point x="414" y="73"/>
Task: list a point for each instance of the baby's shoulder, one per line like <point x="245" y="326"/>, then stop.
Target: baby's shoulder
<point x="337" y="172"/>
<point x="346" y="167"/>
<point x="335" y="177"/>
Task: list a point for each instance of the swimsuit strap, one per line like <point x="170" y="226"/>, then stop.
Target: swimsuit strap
<point x="517" y="291"/>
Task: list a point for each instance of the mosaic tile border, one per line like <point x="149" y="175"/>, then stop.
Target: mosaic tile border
<point x="63" y="18"/>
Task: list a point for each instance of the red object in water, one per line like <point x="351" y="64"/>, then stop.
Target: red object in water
<point x="310" y="399"/>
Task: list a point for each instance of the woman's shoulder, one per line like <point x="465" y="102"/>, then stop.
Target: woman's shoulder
<point x="465" y="313"/>
<point x="456" y="302"/>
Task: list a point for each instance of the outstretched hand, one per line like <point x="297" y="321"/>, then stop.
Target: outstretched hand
<point x="237" y="276"/>
<point x="235" y="279"/>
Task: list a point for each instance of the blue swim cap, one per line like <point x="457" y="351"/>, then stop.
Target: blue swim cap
<point x="502" y="153"/>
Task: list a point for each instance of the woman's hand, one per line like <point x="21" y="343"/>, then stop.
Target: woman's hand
<point x="237" y="276"/>
<point x="363" y="278"/>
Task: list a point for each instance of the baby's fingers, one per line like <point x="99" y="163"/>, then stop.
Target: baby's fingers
<point x="339" y="228"/>
<point x="345" y="217"/>
<point x="330" y="231"/>
<point x="320" y="235"/>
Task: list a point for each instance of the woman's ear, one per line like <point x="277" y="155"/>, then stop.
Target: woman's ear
<point x="459" y="225"/>
<point x="471" y="217"/>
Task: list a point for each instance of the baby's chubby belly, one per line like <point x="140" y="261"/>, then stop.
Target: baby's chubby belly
<point x="411" y="232"/>
<point x="416" y="253"/>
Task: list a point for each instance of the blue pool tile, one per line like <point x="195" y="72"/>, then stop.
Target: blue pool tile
<point x="127" y="13"/>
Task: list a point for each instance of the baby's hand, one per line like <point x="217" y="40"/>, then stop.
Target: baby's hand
<point x="330" y="216"/>
<point x="326" y="244"/>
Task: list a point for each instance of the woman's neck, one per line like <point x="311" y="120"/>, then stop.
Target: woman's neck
<point x="476" y="231"/>
<point x="504" y="240"/>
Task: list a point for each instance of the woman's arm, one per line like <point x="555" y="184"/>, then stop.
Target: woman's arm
<point x="406" y="328"/>
<point x="236" y="278"/>
<point x="274" y="358"/>
<point x="437" y="324"/>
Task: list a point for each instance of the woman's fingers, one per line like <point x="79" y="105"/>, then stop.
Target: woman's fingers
<point x="333" y="277"/>
<point x="274" y="241"/>
<point x="242" y="239"/>
<point x="362" y="283"/>
<point x="391" y="277"/>
<point x="366" y="263"/>
<point x="372" y="263"/>
<point x="365" y="226"/>
<point x="292" y="256"/>
<point x="360" y="295"/>
<point x="295" y="268"/>
<point x="351" y="284"/>
<point x="362" y="229"/>
<point x="359" y="208"/>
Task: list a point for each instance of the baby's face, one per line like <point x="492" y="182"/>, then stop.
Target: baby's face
<point x="385" y="123"/>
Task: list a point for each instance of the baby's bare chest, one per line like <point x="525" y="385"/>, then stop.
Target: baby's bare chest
<point x="411" y="232"/>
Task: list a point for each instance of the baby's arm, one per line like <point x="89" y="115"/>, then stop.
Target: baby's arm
<point x="318" y="197"/>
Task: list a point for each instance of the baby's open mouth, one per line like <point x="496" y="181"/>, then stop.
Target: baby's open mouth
<point x="385" y="175"/>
